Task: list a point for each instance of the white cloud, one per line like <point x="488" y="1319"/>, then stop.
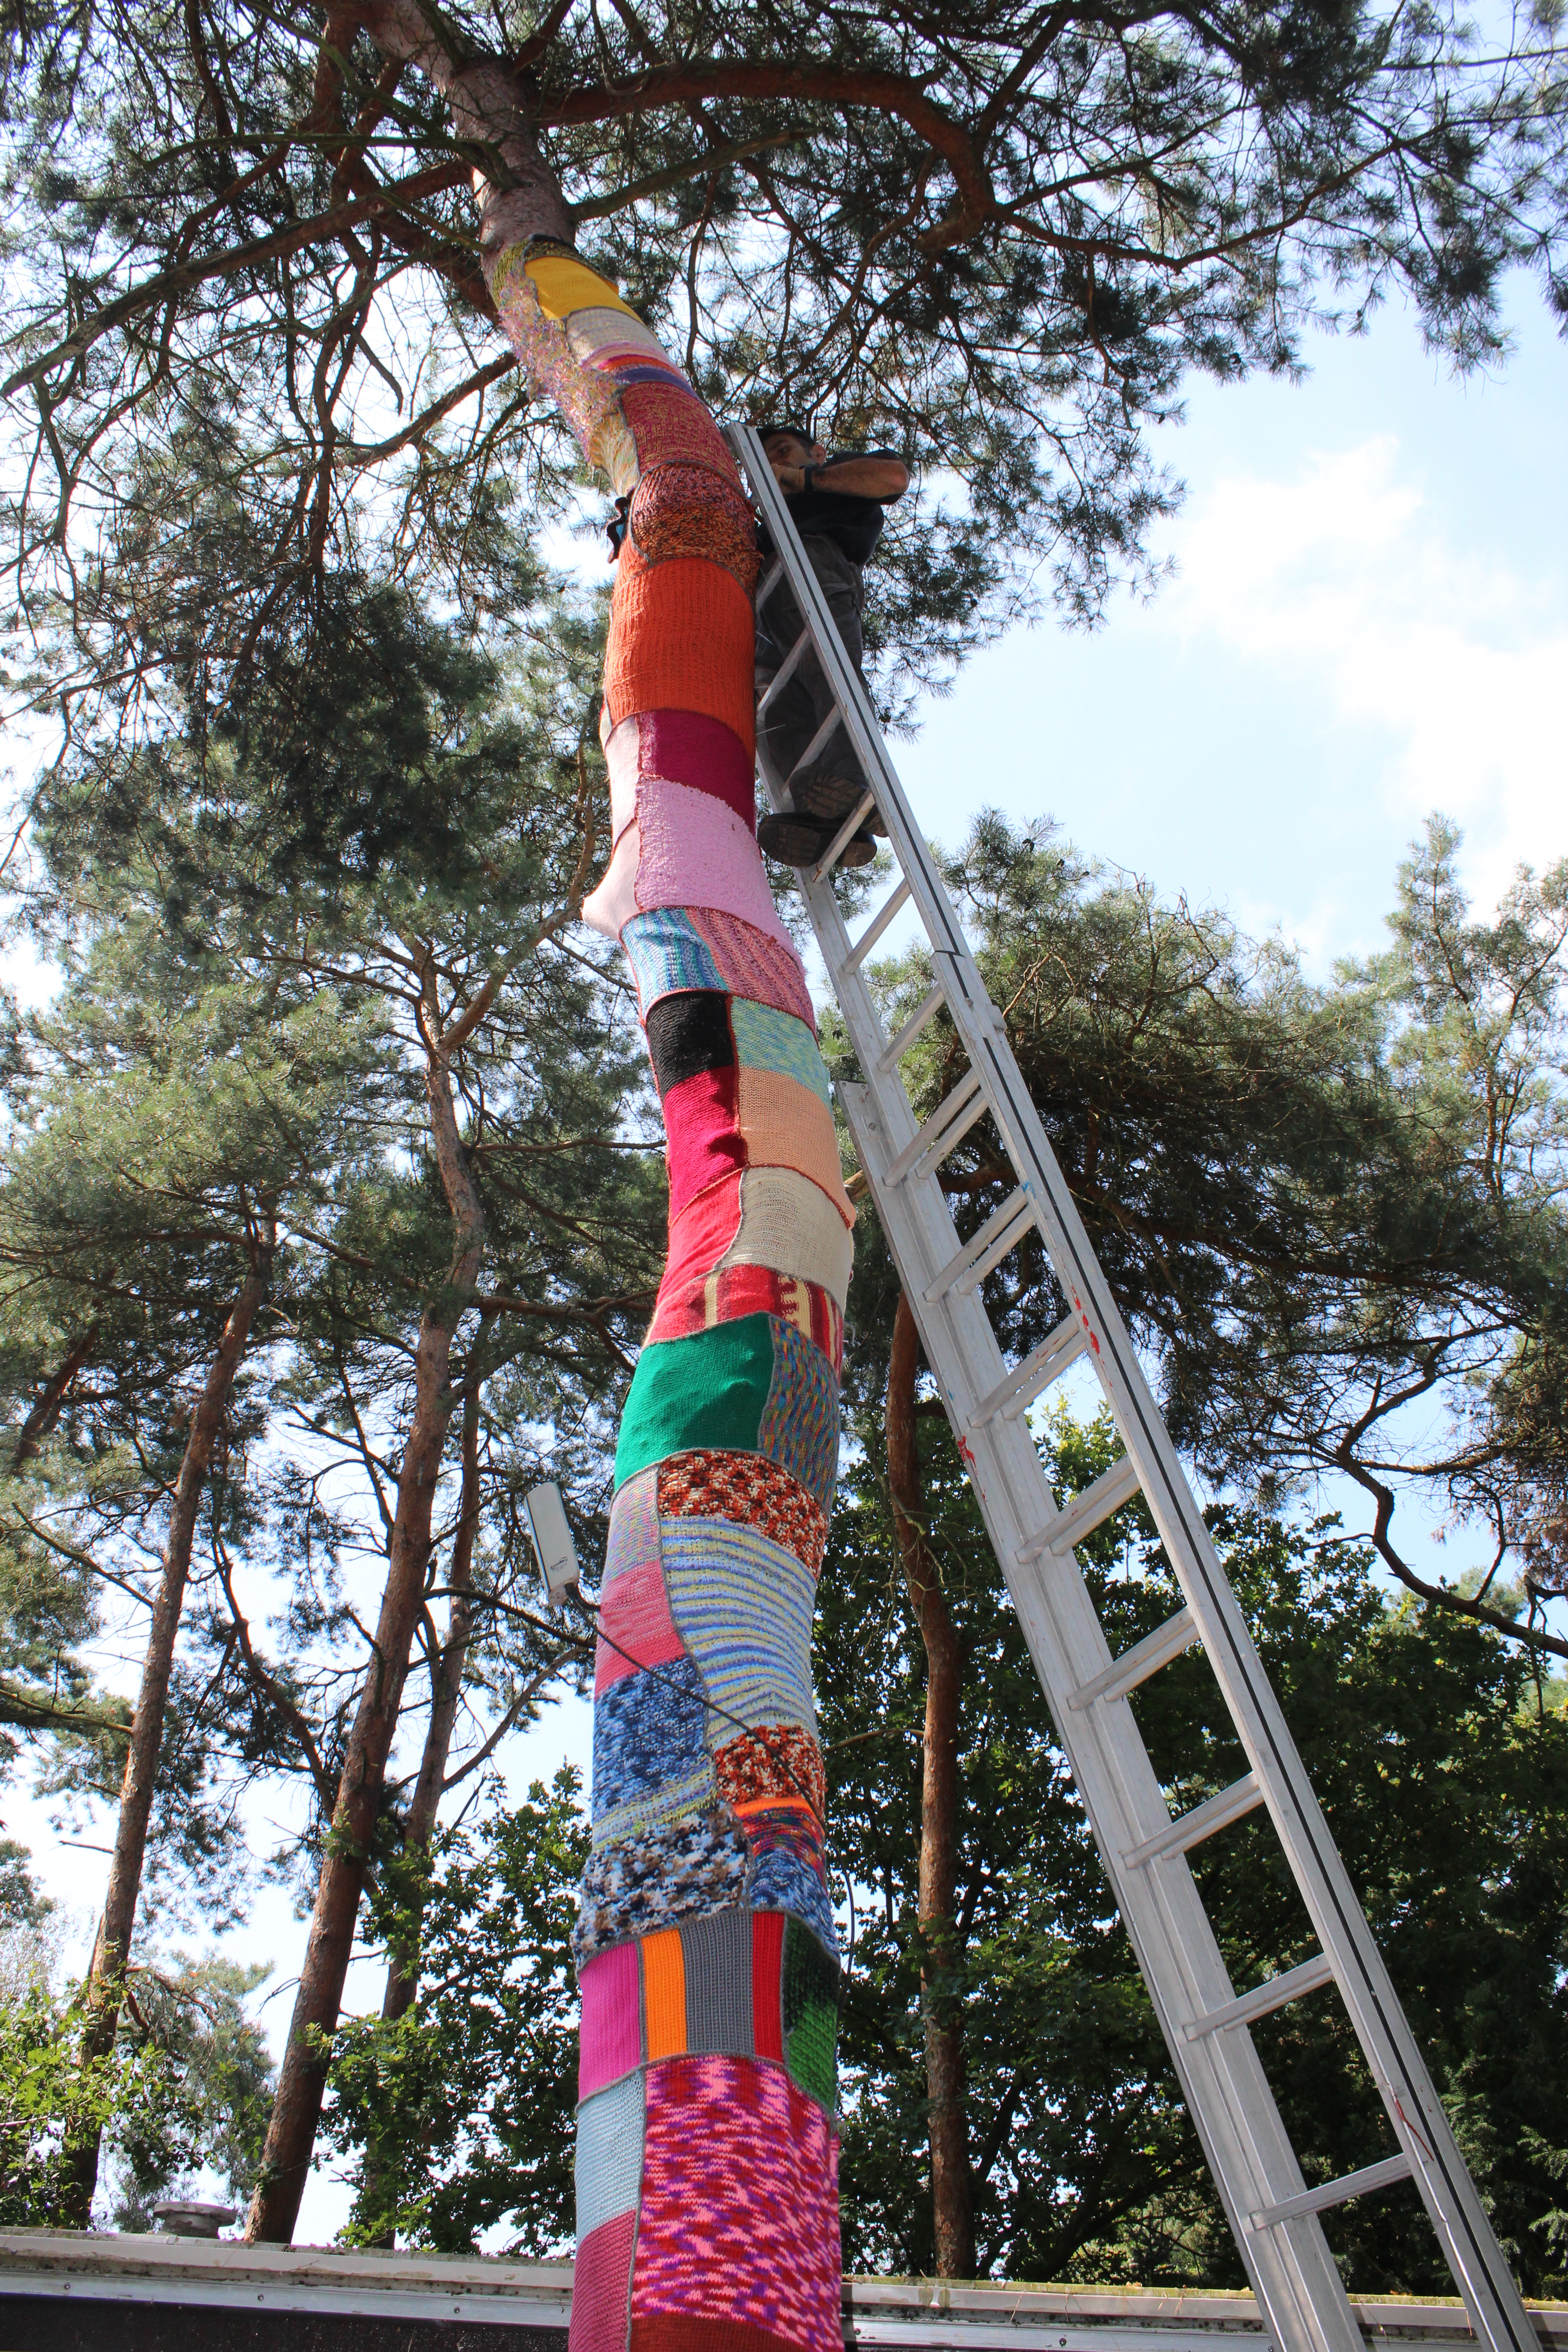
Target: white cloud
<point x="1344" y="580"/>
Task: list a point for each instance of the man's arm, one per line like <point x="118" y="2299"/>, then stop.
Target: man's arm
<point x="885" y="479"/>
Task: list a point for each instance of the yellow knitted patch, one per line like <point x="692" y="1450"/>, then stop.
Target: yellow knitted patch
<point x="567" y="286"/>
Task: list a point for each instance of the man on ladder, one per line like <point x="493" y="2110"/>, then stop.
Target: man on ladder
<point x="836" y="505"/>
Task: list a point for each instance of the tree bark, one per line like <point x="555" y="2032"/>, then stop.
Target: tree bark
<point x="947" y="2125"/>
<point x="301" y="2081"/>
<point x="44" y="1409"/>
<point x="111" y="1950"/>
<point x="446" y="1696"/>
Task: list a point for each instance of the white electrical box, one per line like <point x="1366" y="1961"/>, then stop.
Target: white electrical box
<point x="552" y="1533"/>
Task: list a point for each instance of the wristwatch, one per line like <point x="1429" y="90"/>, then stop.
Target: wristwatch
<point x="806" y="473"/>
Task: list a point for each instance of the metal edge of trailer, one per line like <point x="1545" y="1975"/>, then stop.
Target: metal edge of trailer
<point x="900" y="2315"/>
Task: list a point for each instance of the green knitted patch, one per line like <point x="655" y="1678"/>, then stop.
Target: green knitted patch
<point x="810" y="1990"/>
<point x="710" y="1390"/>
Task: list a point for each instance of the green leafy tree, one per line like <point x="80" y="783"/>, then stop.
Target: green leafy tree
<point x="243" y="244"/>
<point x="1444" y="1773"/>
<point x="456" y="2114"/>
<point x="1324" y="1211"/>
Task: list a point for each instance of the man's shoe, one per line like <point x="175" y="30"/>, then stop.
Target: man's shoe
<point x="793" y="840"/>
<point x="831" y="798"/>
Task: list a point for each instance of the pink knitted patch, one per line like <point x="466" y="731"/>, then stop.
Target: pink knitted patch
<point x="636" y="1629"/>
<point x="610" y="2042"/>
<point x="739" y="2214"/>
<point x="602" y="2280"/>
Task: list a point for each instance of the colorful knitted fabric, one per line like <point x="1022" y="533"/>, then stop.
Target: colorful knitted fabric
<point x="707" y="2166"/>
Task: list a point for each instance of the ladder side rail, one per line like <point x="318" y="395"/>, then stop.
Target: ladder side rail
<point x="1451" y="2196"/>
<point x="1231" y="2103"/>
<point x="1408" y="2094"/>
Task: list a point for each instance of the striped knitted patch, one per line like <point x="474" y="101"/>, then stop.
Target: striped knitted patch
<point x="742" y="1605"/>
<point x="675" y="948"/>
<point x="767" y="1040"/>
<point x="739" y="1290"/>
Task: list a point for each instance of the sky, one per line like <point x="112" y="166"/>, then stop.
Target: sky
<point x="1367" y="620"/>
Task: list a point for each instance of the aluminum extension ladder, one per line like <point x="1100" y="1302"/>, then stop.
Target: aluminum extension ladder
<point x="1273" y="2213"/>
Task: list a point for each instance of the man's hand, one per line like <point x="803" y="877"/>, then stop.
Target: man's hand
<point x="788" y="477"/>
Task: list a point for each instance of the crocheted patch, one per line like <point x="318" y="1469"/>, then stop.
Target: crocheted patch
<point x="648" y="1739"/>
<point x="742" y="1605"/>
<point x="680" y="638"/>
<point x="762" y="966"/>
<point x="636" y="1628"/>
<point x="641" y="1885"/>
<point x="606" y="331"/>
<point x="664" y="1994"/>
<point x="799" y="1425"/>
<point x="788" y="1223"/>
<point x="687" y="1035"/>
<point x="710" y="1485"/>
<point x="702" y="1132"/>
<point x="738" y="2218"/>
<point x="712" y="1389"/>
<point x="809" y="1985"/>
<point x="682" y="510"/>
<point x="741" y="1290"/>
<point x="602" y="2286"/>
<point x="778" y="1760"/>
<point x="609" y="2042"/>
<point x="609" y="2153"/>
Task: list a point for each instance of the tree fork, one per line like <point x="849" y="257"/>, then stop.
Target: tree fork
<point x="952" y="2184"/>
<point x="112" y="1950"/>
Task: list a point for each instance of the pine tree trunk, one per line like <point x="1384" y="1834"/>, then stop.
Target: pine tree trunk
<point x="44" y="1409"/>
<point x="301" y="2081"/>
<point x="111" y="1950"/>
<point x="446" y="1696"/>
<point x="952" y="2187"/>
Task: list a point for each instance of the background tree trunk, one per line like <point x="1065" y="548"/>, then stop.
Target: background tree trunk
<point x="44" y="1409"/>
<point x="302" y="2079"/>
<point x="952" y="2187"/>
<point x="111" y="1950"/>
<point x="446" y="1693"/>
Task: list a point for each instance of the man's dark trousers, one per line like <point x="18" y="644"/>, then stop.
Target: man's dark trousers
<point x="791" y="719"/>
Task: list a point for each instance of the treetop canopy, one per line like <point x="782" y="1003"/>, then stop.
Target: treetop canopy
<point x="243" y="270"/>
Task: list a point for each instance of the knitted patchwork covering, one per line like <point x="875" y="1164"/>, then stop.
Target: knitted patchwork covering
<point x="739" y="1290"/>
<point x="672" y="948"/>
<point x="704" y="1943"/>
<point x="734" y="1984"/>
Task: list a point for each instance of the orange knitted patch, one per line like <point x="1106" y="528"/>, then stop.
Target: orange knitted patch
<point x="681" y="638"/>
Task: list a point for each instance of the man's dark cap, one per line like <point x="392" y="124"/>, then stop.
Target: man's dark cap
<point x="785" y="424"/>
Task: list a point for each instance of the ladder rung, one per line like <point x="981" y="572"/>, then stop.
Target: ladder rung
<point x="1335" y="2192"/>
<point x="785" y="671"/>
<point x="911" y="1030"/>
<point x="1084" y="1513"/>
<point x="987" y="1248"/>
<point x="1288" y="1986"/>
<point x="944" y="1129"/>
<point x="868" y="938"/>
<point x="769" y="583"/>
<point x="815" y="746"/>
<point x="1215" y="1813"/>
<point x="1018" y="1393"/>
<point x="1135" y="1665"/>
<point x="845" y="833"/>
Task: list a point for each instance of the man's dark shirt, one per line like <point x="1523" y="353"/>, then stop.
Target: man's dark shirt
<point x="854" y="524"/>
